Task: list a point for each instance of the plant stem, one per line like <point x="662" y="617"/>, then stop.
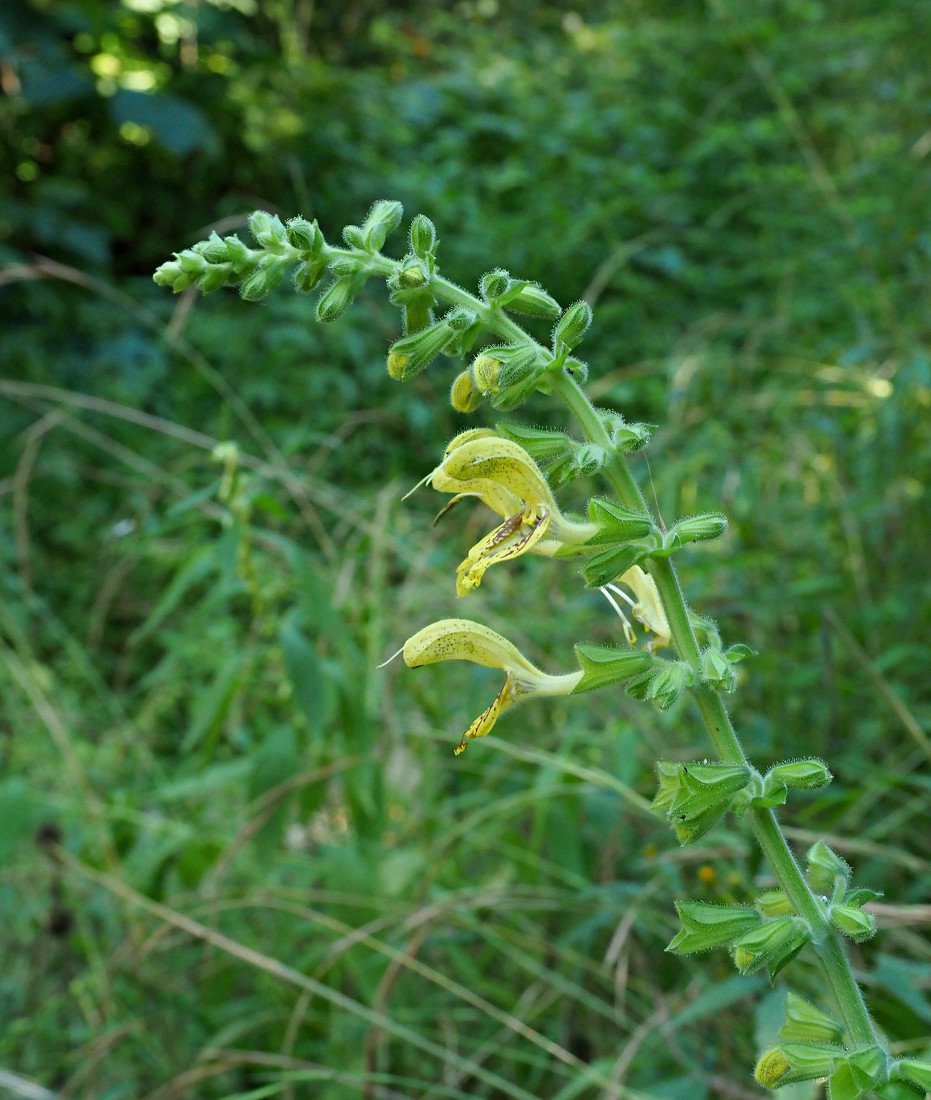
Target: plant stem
<point x="826" y="940"/>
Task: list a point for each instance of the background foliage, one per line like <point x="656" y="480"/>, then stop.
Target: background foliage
<point x="237" y="859"/>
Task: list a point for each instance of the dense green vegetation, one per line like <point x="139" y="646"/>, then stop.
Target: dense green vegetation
<point x="239" y="860"/>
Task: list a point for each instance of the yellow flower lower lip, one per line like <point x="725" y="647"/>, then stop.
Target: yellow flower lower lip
<point x="465" y="640"/>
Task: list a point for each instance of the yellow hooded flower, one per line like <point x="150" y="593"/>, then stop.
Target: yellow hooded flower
<point x="464" y="640"/>
<point x="502" y="475"/>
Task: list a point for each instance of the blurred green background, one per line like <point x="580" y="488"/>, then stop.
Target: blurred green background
<point x="239" y="860"/>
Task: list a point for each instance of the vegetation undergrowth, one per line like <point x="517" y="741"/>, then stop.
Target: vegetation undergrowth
<point x="223" y="878"/>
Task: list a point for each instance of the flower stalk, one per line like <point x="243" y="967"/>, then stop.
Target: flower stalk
<point x="515" y="471"/>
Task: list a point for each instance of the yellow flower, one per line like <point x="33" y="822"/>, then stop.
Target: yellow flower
<point x="480" y="463"/>
<point x="464" y="640"/>
<point x="646" y="608"/>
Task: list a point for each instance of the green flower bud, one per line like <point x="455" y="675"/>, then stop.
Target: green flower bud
<point x="308" y="275"/>
<point x="808" y="1024"/>
<point x="716" y="669"/>
<point x="853" y="922"/>
<point x="464" y="396"/>
<point x="603" y="665"/>
<point x="171" y="274"/>
<point x="494" y="284"/>
<point x="353" y="236"/>
<point x="213" y="250"/>
<point x="423" y="237"/>
<point x="384" y="217"/>
<point x="344" y="267"/>
<point x="701" y="528"/>
<point x="268" y="230"/>
<point x="706" y="926"/>
<point x="304" y="235"/>
<point x="238" y="254"/>
<point x="533" y="301"/>
<point x="459" y="319"/>
<point x="409" y="355"/>
<point x="807" y="775"/>
<point x="214" y="277"/>
<point x="668" y="683"/>
<point x="337" y="298"/>
<point x="825" y="868"/>
<point x="571" y="327"/>
<point x="772" y="945"/>
<point x="263" y="280"/>
<point x="193" y="263"/>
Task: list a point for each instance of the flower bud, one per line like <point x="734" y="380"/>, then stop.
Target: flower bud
<point x="304" y="235"/>
<point x="533" y="301"/>
<point x="494" y="284"/>
<point x="772" y="945"/>
<point x="214" y="277"/>
<point x="853" y="922"/>
<point x="409" y="355"/>
<point x="423" y="237"/>
<point x="771" y="1068"/>
<point x="571" y="327"/>
<point x="238" y="254"/>
<point x="193" y="263"/>
<point x="464" y="396"/>
<point x="384" y="217"/>
<point x="213" y="250"/>
<point x="263" y="280"/>
<point x="701" y="528"/>
<point x="308" y="275"/>
<point x="353" y="236"/>
<point x="268" y="230"/>
<point x="337" y="298"/>
<point x="486" y="372"/>
<point x="459" y="319"/>
<point x="171" y="274"/>
<point x="825" y="868"/>
<point x="806" y="775"/>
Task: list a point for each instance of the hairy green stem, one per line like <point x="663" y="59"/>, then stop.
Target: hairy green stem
<point x="827" y="943"/>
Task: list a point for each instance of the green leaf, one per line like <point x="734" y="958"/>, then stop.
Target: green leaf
<point x="304" y="672"/>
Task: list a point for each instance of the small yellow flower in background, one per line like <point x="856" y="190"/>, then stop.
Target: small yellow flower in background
<point x="479" y="463"/>
<point x="464" y="640"/>
<point x="646" y="608"/>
